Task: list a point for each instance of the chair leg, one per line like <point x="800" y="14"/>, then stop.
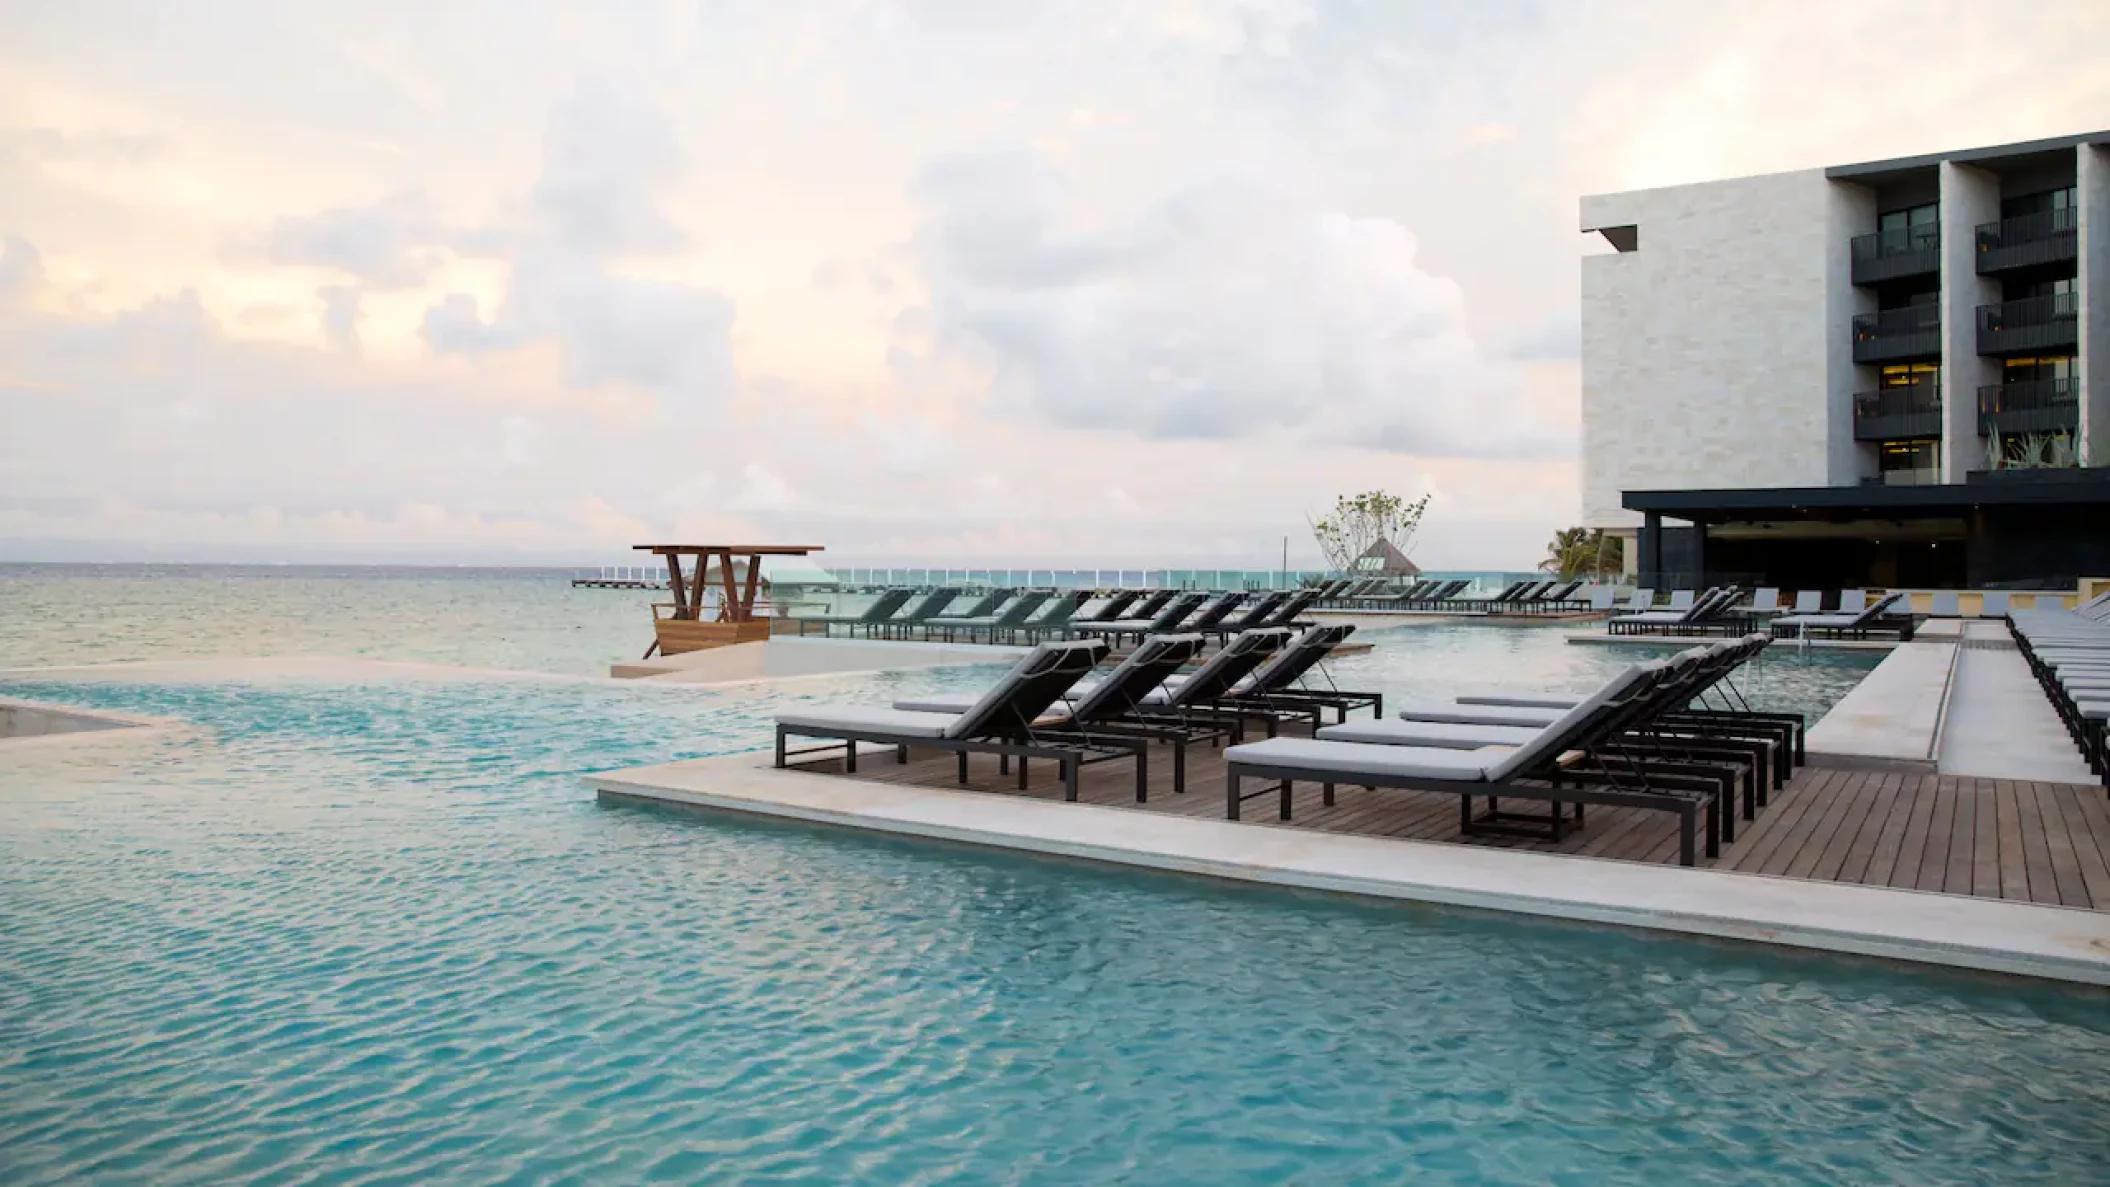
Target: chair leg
<point x="1021" y="772"/>
<point x="963" y="766"/>
<point x="1069" y="778"/>
<point x="1231" y="795"/>
<point x="901" y="754"/>
<point x="780" y="747"/>
<point x="850" y="757"/>
<point x="1282" y="800"/>
<point x="1326" y="794"/>
<point x="1179" y="767"/>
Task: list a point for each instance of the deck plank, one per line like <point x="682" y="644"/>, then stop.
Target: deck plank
<point x="2041" y="842"/>
<point x="2058" y="842"/>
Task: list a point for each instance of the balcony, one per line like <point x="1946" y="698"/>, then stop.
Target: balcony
<point x="2035" y="406"/>
<point x="1898" y="413"/>
<point x="1897" y="253"/>
<point x="2031" y="325"/>
<point x="1895" y="335"/>
<point x="2030" y="241"/>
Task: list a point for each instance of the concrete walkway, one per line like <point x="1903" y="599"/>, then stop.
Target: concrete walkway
<point x="2000" y="724"/>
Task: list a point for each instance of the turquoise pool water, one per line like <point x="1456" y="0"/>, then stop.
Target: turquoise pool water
<point x="375" y="931"/>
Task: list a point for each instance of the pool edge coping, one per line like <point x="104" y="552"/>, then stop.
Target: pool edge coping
<point x="2001" y="936"/>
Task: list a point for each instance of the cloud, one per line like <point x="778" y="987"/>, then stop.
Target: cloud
<point x="608" y="158"/>
<point x="340" y="317"/>
<point x="1557" y="338"/>
<point x="58" y="146"/>
<point x="1222" y="310"/>
<point x="454" y="326"/>
<point x="385" y="245"/>
<point x="21" y="271"/>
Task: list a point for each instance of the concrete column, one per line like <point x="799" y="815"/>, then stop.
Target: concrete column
<point x="1969" y="197"/>
<point x="1651" y="546"/>
<point x="2092" y="177"/>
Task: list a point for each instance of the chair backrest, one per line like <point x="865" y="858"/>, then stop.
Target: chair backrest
<point x="985" y="605"/>
<point x="1064" y="609"/>
<point x="1681" y="599"/>
<point x="1030" y="689"/>
<point x="1304" y="653"/>
<point x="1142" y="673"/>
<point x="1642" y="599"/>
<point x="1886" y="605"/>
<point x="1576" y="722"/>
<point x="1233" y="662"/>
<point x="931" y="603"/>
<point x="2088" y="608"/>
<point x="1016" y="609"/>
<point x="1153" y="602"/>
<point x="1809" y="601"/>
<point x="1507" y="592"/>
<point x="1114" y="604"/>
<point x="1945" y="604"/>
<point x="1853" y="601"/>
<point x="1714" y="602"/>
<point x="1566" y="593"/>
<point x="1767" y="598"/>
<point x="1258" y="612"/>
<point x="1216" y="612"/>
<point x="1446" y="592"/>
<point x="1287" y="612"/>
<point x="883" y="607"/>
<point x="1601" y="597"/>
<point x="1176" y="612"/>
<point x="1994" y="605"/>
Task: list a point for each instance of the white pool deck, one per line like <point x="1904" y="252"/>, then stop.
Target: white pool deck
<point x="1939" y="929"/>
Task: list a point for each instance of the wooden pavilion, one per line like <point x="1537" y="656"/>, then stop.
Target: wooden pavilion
<point x="683" y="625"/>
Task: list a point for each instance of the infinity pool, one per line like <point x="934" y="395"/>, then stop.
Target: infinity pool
<point x="374" y="930"/>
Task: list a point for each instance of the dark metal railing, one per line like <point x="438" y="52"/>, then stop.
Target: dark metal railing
<point x="2031" y="406"/>
<point x="1900" y="251"/>
<point x="1897" y="333"/>
<point x="2032" y="323"/>
<point x="2028" y="240"/>
<point x="1899" y="413"/>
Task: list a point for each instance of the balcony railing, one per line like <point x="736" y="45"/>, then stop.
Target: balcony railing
<point x="1898" y="413"/>
<point x="2029" y="325"/>
<point x="1896" y="253"/>
<point x="2028" y="241"/>
<point x="1911" y="332"/>
<point x="2033" y="406"/>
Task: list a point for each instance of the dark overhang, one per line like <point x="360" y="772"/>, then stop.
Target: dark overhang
<point x="1875" y="170"/>
<point x="2035" y="488"/>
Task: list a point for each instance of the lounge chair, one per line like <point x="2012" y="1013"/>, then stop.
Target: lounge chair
<point x="1884" y="614"/>
<point x="1110" y="707"/>
<point x="1287" y="613"/>
<point x="1168" y="620"/>
<point x="1600" y="599"/>
<point x="1003" y="721"/>
<point x="1765" y="600"/>
<point x="1696" y="612"/>
<point x="1765" y="748"/>
<point x="1112" y="605"/>
<point x="918" y="612"/>
<point x="1011" y="616"/>
<point x="873" y="616"/>
<point x="1206" y="694"/>
<point x="1208" y="617"/>
<point x="1054" y="622"/>
<point x="1283" y="682"/>
<point x="1255" y="614"/>
<point x="1542" y="770"/>
<point x="1852" y="601"/>
<point x="1445" y="597"/>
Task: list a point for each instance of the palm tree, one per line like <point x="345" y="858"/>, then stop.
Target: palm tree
<point x="1580" y="552"/>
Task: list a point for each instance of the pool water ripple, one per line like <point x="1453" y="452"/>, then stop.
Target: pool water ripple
<point x="376" y="932"/>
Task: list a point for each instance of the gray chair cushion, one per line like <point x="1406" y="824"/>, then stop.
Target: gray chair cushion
<point x="871" y="719"/>
<point x="1527" y="702"/>
<point x="1455" y="714"/>
<point x="956" y="703"/>
<point x="1429" y="733"/>
<point x="1349" y="759"/>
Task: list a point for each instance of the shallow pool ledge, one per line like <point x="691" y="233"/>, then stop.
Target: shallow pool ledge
<point x="1986" y="934"/>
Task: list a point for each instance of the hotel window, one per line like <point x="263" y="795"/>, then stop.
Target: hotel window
<point x="1927" y="375"/>
<point x="2054" y="202"/>
<point x="1909" y="229"/>
<point x="1910" y="455"/>
<point x="2031" y="370"/>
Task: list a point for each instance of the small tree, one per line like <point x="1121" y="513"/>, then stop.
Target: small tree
<point x="1359" y="521"/>
<point x="1583" y="552"/>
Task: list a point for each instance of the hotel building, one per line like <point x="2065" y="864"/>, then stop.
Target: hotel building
<point x="1888" y="374"/>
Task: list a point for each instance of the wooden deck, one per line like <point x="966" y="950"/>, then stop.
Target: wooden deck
<point x="2035" y="842"/>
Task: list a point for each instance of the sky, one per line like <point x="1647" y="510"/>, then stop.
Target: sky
<point x="925" y="281"/>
